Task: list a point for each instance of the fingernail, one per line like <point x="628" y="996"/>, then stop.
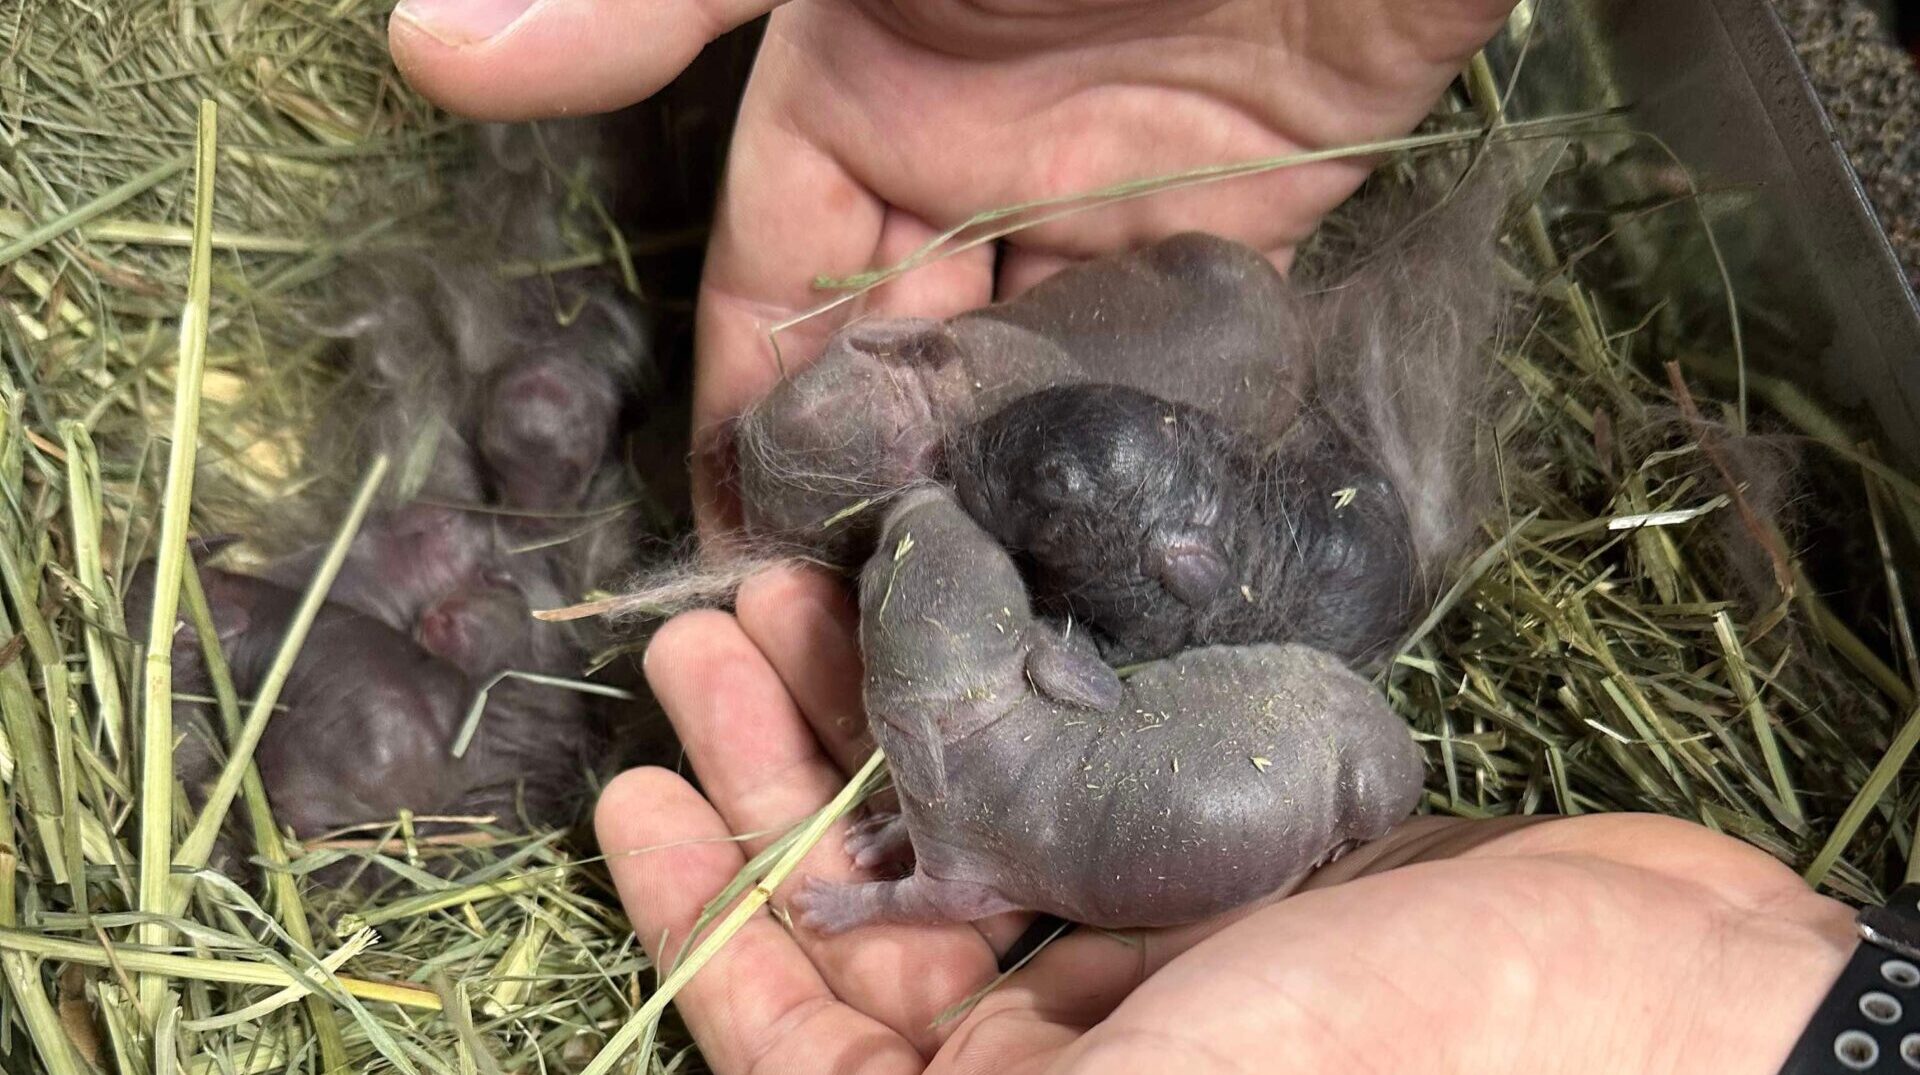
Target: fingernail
<point x="462" y="22"/>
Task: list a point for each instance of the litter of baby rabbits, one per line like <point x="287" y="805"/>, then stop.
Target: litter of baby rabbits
<point x="1661" y="617"/>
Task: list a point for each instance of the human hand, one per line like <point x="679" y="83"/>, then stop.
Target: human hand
<point x="1593" y="944"/>
<point x="869" y="127"/>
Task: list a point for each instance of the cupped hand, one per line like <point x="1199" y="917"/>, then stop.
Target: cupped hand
<point x="1594" y="944"/>
<point x="870" y="126"/>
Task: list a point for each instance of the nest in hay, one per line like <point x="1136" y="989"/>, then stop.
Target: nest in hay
<point x="1646" y="631"/>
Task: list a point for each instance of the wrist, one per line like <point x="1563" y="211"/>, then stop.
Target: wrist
<point x="1869" y="1019"/>
<point x="1769" y="972"/>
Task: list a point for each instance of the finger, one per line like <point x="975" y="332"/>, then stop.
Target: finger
<point x="1068" y="988"/>
<point x="802" y="619"/>
<point x="1399" y="56"/>
<point x="763" y="769"/>
<point x="1106" y="136"/>
<point x="1096" y="969"/>
<point x="1009" y="1041"/>
<point x="754" y="754"/>
<point x="939" y="288"/>
<point x="1085" y="975"/>
<point x="788" y="213"/>
<point x="1021" y="268"/>
<point x="525" y="59"/>
<point x="669" y="853"/>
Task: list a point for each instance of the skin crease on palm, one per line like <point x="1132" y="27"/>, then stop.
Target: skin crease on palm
<point x="1595" y="944"/>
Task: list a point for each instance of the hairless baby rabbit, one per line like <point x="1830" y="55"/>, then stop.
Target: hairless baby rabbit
<point x="1162" y="530"/>
<point x="369" y="715"/>
<point x="1193" y="318"/>
<point x="401" y="561"/>
<point x="545" y="427"/>
<point x="1161" y="527"/>
<point x="1032" y="777"/>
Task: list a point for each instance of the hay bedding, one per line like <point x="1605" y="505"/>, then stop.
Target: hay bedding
<point x="1636" y="637"/>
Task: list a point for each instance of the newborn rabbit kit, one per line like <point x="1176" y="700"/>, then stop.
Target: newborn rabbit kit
<point x="1031" y="777"/>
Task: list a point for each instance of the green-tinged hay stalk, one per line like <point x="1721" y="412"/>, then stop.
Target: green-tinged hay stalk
<point x="644" y="1025"/>
<point x="156" y="749"/>
<point x="206" y="828"/>
<point x="289" y="907"/>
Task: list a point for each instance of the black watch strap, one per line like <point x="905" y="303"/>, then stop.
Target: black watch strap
<point x="1870" y="1021"/>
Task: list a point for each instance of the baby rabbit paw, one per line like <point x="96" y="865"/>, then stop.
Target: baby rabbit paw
<point x="880" y="840"/>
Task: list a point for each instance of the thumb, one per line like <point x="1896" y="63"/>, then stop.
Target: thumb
<point x="529" y="59"/>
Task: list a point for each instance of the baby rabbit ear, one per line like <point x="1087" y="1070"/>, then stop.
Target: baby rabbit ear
<point x="908" y="341"/>
<point x="1189" y="563"/>
<point x="1071" y="675"/>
